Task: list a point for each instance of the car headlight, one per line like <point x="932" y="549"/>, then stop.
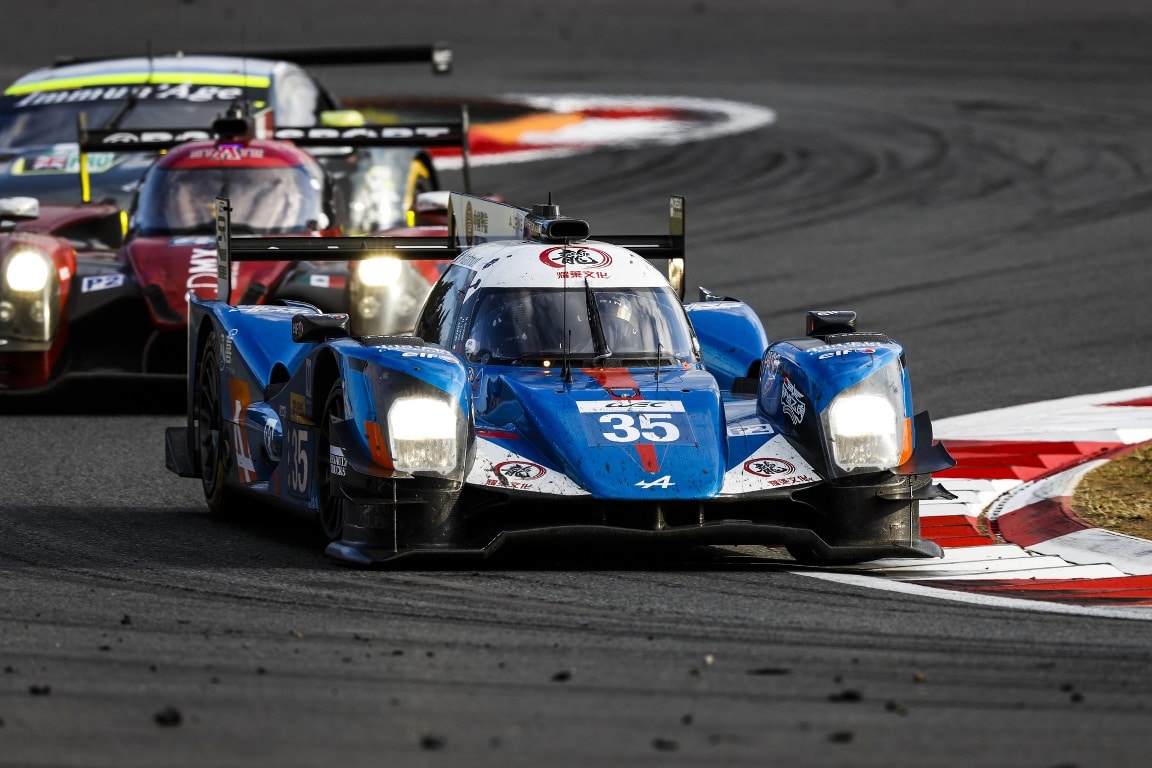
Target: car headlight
<point x="422" y="434"/>
<point x="864" y="423"/>
<point x="27" y="271"/>
<point x="378" y="271"/>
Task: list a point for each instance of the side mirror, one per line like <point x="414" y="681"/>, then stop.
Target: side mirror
<point x="19" y="208"/>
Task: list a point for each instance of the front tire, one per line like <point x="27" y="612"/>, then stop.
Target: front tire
<point x="208" y="426"/>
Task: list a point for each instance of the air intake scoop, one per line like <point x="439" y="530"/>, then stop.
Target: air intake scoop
<point x="547" y="225"/>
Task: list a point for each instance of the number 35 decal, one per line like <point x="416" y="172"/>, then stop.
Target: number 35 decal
<point x="624" y="422"/>
<point x="298" y="456"/>
<point x="629" y="428"/>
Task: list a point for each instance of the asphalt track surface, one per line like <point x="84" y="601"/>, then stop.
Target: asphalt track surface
<point x="973" y="178"/>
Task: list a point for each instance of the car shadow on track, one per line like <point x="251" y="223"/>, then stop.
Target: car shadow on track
<point x="262" y="537"/>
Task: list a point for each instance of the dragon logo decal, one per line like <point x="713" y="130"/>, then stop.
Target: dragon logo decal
<point x="519" y="471"/>
<point x="792" y="401"/>
<point x="767" y="466"/>
<point x="579" y="257"/>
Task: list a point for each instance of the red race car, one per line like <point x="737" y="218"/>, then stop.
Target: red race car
<point x="119" y="305"/>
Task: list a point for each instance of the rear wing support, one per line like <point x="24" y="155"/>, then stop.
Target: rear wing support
<point x="229" y="250"/>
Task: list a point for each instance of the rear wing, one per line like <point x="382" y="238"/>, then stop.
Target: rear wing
<point x="473" y="220"/>
<point x="441" y="134"/>
<point x="439" y="55"/>
<point x="313" y="249"/>
<point x="490" y="220"/>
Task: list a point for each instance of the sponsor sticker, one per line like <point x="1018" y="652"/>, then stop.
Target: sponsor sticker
<point x="298" y="409"/>
<point x="101" y="283"/>
<point x="67" y="160"/>
<point x="337" y="464"/>
<point x="327" y="281"/>
<point x="792" y="401"/>
<point x="181" y="91"/>
<point x="227" y="153"/>
<point x="614" y="406"/>
<point x="520" y="470"/>
<point x="768" y="466"/>
<point x="581" y="258"/>
<point x="201" y="268"/>
<point x="517" y="474"/>
<point x="842" y="350"/>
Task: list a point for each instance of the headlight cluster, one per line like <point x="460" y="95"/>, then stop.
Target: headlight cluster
<point x="422" y="434"/>
<point x="385" y="296"/>
<point x="27" y="270"/>
<point x="372" y="275"/>
<point x="29" y="293"/>
<point x="379" y="271"/>
<point x="864" y="424"/>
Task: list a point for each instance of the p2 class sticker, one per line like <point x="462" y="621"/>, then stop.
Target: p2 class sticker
<point x="101" y="283"/>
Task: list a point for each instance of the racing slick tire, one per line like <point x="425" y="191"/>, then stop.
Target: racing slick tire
<point x="208" y="425"/>
<point x="331" y="508"/>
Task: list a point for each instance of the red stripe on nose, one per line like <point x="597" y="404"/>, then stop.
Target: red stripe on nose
<point x="647" y="453"/>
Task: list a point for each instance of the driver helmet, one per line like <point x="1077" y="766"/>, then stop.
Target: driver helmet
<point x="619" y="320"/>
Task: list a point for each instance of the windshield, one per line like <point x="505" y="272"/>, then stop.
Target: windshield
<point x="637" y="326"/>
<point x="25" y="126"/>
<point x="265" y="201"/>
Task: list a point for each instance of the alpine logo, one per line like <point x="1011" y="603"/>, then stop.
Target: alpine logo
<point x="566" y="257"/>
<point x="660" y="482"/>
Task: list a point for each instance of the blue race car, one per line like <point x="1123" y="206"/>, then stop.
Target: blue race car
<point x="556" y="387"/>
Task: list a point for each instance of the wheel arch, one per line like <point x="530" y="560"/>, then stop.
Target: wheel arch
<point x="327" y="373"/>
<point x="202" y="332"/>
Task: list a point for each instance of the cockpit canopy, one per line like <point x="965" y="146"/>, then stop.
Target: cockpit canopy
<point x="592" y="326"/>
<point x="268" y="198"/>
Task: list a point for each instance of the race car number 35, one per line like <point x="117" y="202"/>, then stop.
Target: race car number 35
<point x="613" y="422"/>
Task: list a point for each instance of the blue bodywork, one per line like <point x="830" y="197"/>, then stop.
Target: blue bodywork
<point x="808" y="443"/>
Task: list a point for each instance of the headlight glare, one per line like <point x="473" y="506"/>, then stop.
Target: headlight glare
<point x="27" y="270"/>
<point x="422" y="434"/>
<point x="864" y="424"/>
<point x="379" y="271"/>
